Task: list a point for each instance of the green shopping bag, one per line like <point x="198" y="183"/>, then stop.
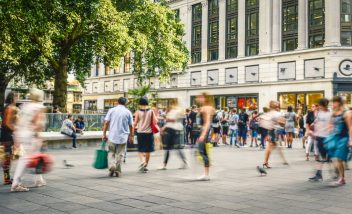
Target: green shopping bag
<point x="101" y="157"/>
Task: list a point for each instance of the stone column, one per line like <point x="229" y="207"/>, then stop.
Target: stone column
<point x="204" y="31"/>
<point x="188" y="27"/>
<point x="222" y="29"/>
<point x="302" y="24"/>
<point x="241" y="28"/>
<point x="265" y="26"/>
<point x="332" y="24"/>
<point x="276" y="34"/>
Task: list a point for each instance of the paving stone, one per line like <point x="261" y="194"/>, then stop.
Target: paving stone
<point x="235" y="187"/>
<point x="67" y="206"/>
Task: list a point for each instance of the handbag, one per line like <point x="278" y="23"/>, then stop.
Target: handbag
<point x="2" y="154"/>
<point x="101" y="157"/>
<point x="155" y="127"/>
<point x="42" y="163"/>
<point x="17" y="152"/>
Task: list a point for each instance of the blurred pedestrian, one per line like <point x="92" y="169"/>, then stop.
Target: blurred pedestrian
<point x="144" y="117"/>
<point x="253" y="125"/>
<point x="243" y="119"/>
<point x="9" y="118"/>
<point x="172" y="134"/>
<point x="290" y="117"/>
<point x="191" y="122"/>
<point x="233" y="127"/>
<point x="202" y="126"/>
<point x="225" y="117"/>
<point x="273" y="122"/>
<point x="69" y="129"/>
<point x="31" y="121"/>
<point x="339" y="141"/>
<point x="119" y="121"/>
<point x="310" y="118"/>
<point x="262" y="130"/>
<point x="320" y="132"/>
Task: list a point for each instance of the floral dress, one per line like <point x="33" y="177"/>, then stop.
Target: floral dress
<point x="336" y="143"/>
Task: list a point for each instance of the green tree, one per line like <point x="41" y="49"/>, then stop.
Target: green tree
<point x="61" y="36"/>
<point x="158" y="47"/>
<point x="19" y="59"/>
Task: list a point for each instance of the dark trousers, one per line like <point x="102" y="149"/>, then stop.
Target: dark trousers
<point x="7" y="161"/>
<point x="203" y="153"/>
<point x="74" y="138"/>
<point x="188" y="134"/>
<point x="263" y="134"/>
<point x="172" y="140"/>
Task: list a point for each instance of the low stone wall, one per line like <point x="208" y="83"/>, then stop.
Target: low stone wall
<point x="56" y="140"/>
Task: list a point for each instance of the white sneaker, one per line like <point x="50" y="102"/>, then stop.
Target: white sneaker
<point x="184" y="166"/>
<point x="162" y="168"/>
<point x="204" y="178"/>
<point x="19" y="188"/>
<point x="39" y="183"/>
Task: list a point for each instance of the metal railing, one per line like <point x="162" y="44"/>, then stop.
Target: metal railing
<point x="93" y="122"/>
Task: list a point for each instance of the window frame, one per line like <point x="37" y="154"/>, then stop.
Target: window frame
<point x="292" y="34"/>
<point x="252" y="39"/>
<point x="196" y="44"/>
<point x="346" y="27"/>
<point x="231" y="43"/>
<point x="315" y="30"/>
<point x="213" y="35"/>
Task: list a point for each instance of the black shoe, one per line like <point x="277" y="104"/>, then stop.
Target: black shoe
<point x="316" y="178"/>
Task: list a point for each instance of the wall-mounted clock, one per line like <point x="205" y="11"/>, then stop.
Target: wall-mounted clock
<point x="346" y="67"/>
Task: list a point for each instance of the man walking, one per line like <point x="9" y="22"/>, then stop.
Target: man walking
<point x="119" y="120"/>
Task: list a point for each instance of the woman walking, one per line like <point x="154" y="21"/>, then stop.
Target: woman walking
<point x="9" y="118"/>
<point x="202" y="126"/>
<point x="274" y="122"/>
<point x="339" y="141"/>
<point x="144" y="117"/>
<point x="172" y="134"/>
<point x="290" y="117"/>
<point x="30" y="123"/>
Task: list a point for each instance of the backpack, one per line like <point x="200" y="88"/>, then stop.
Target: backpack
<point x="253" y="125"/>
<point x="216" y="118"/>
<point x="242" y="119"/>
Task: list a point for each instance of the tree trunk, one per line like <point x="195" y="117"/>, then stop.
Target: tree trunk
<point x="3" y="85"/>
<point x="60" y="88"/>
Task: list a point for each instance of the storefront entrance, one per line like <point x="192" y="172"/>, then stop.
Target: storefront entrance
<point x="300" y="101"/>
<point x="249" y="102"/>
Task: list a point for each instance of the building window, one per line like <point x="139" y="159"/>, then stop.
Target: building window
<point x="196" y="46"/>
<point x="316" y="23"/>
<point x="346" y="22"/>
<point x="177" y="14"/>
<point x="97" y="67"/>
<point x="77" y="97"/>
<point x="110" y="103"/>
<point x="252" y="27"/>
<point x="90" y="105"/>
<point x="231" y="28"/>
<point x="127" y="63"/>
<point x="213" y="30"/>
<point x="289" y="25"/>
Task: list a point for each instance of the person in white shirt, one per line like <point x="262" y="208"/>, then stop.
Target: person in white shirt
<point x="233" y="127"/>
<point x="119" y="121"/>
<point x="172" y="134"/>
<point x="274" y="122"/>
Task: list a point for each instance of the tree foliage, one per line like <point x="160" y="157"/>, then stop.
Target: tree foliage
<point x="51" y="38"/>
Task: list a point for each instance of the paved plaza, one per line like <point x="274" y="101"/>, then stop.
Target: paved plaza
<point x="235" y="187"/>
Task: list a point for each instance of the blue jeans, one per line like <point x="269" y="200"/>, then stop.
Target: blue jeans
<point x="233" y="134"/>
<point x="74" y="138"/>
